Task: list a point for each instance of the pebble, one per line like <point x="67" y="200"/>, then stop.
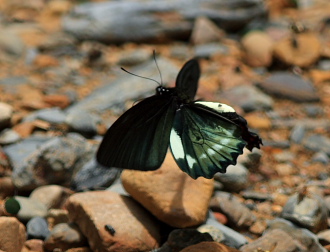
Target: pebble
<point x="94" y="176"/>
<point x="321" y="157"/>
<point x="209" y="246"/>
<point x="37" y="228"/>
<point x="215" y="233"/>
<point x="83" y="122"/>
<point x="11" y="45"/>
<point x="170" y="194"/>
<point x="309" y="211"/>
<point x="228" y="204"/>
<point x="297" y="133"/>
<point x="30" y="208"/>
<point x="56" y="160"/>
<point x="130" y="221"/>
<point x="56" y="216"/>
<point x="235" y="179"/>
<point x="210" y="49"/>
<point x="249" y="98"/>
<point x="136" y="57"/>
<point x="33" y="245"/>
<point x="258" y="46"/>
<point x="52" y="196"/>
<point x="13" y="234"/>
<point x="9" y="136"/>
<point x="51" y="115"/>
<point x="289" y="86"/>
<point x="317" y="143"/>
<point x="65" y="236"/>
<point x="6" y="112"/>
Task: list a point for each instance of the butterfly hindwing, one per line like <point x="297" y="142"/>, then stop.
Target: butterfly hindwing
<point x="204" y="143"/>
<point x="140" y="137"/>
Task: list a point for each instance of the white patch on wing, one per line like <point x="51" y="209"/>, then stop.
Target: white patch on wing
<point x="203" y="156"/>
<point x="176" y="145"/>
<point x="219" y="107"/>
<point x="191" y="161"/>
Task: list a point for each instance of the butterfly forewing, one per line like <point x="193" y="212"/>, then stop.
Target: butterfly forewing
<point x="187" y="80"/>
<point x="140" y="137"/>
<point x="203" y="143"/>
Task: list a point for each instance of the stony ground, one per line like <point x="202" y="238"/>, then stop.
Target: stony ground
<point x="60" y="92"/>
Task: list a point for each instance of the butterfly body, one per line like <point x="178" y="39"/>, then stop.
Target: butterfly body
<point x="204" y="137"/>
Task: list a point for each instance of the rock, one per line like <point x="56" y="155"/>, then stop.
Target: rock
<point x="52" y="196"/>
<point x="30" y="208"/>
<point x="56" y="216"/>
<point x="11" y="46"/>
<point x="317" y="142"/>
<point x="258" y="121"/>
<point x="258" y="46"/>
<point x="83" y="122"/>
<point x="231" y="237"/>
<point x="118" y="187"/>
<point x="289" y="86"/>
<point x="12" y="234"/>
<point x="5" y="165"/>
<point x="215" y="233"/>
<point x="135" y="229"/>
<point x="210" y="49"/>
<point x="324" y="237"/>
<point x="301" y="50"/>
<point x="37" y="228"/>
<point x="228" y="204"/>
<point x="321" y="157"/>
<point x="6" y="112"/>
<point x="65" y="236"/>
<point x="205" y="32"/>
<point x="249" y="98"/>
<point x="179" y="239"/>
<point x="170" y="194"/>
<point x="54" y="162"/>
<point x="297" y="133"/>
<point x="57" y="100"/>
<point x="33" y="245"/>
<point x="9" y="136"/>
<point x="94" y="176"/>
<point x="209" y="246"/>
<point x="51" y="115"/>
<point x="7" y="187"/>
<point x="307" y="210"/>
<point x="300" y="237"/>
<point x="127" y="87"/>
<point x="136" y="57"/>
<point x="235" y="179"/>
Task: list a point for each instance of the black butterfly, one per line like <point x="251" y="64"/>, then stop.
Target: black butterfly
<point x="204" y="137"/>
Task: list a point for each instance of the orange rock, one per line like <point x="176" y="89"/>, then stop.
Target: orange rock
<point x="13" y="234"/>
<point x="209" y="246"/>
<point x="258" y="121"/>
<point x="43" y="60"/>
<point x="33" y="245"/>
<point x="24" y="129"/>
<point x="57" y="100"/>
<point x="170" y="194"/>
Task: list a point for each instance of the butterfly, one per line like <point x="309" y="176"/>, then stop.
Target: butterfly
<point x="204" y="137"/>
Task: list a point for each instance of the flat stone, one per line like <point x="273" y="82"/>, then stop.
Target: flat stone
<point x="290" y="86"/>
<point x="132" y="227"/>
<point x="13" y="234"/>
<point x="170" y="194"/>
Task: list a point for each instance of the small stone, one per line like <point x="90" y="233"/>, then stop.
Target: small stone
<point x="209" y="246"/>
<point x="205" y="31"/>
<point x="44" y="61"/>
<point x="33" y="245"/>
<point x="37" y="228"/>
<point x="6" y="112"/>
<point x="290" y="86"/>
<point x="210" y="49"/>
<point x="65" y="236"/>
<point x="284" y="169"/>
<point x="56" y="216"/>
<point x="170" y="194"/>
<point x="52" y="196"/>
<point x="135" y="229"/>
<point x="297" y="133"/>
<point x="258" y="227"/>
<point x="25" y="129"/>
<point x="7" y="187"/>
<point x="258" y="121"/>
<point x="321" y="157"/>
<point x="216" y="234"/>
<point x="9" y="136"/>
<point x="83" y="122"/>
<point x="134" y="58"/>
<point x="30" y="208"/>
<point x="259" y="48"/>
<point x="235" y="179"/>
<point x="317" y="142"/>
<point x="13" y="234"/>
<point x="11" y="46"/>
<point x="51" y="115"/>
<point x="57" y="100"/>
<point x="324" y="237"/>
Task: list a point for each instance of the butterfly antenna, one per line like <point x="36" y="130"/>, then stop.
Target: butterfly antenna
<point x="140" y="76"/>
<point x="160" y="74"/>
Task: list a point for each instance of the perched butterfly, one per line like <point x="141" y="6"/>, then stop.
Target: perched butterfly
<point x="204" y="137"/>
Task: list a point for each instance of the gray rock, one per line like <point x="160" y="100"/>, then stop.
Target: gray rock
<point x="235" y="179"/>
<point x="11" y="45"/>
<point x="232" y="238"/>
<point x="9" y="136"/>
<point x="317" y="143"/>
<point x="53" y="163"/>
<point x="30" y="208"/>
<point x="6" y="112"/>
<point x="83" y="122"/>
<point x="321" y="157"/>
<point x="65" y="236"/>
<point x="208" y="50"/>
<point x="228" y="204"/>
<point x="94" y="176"/>
<point x="249" y="98"/>
<point x="127" y="87"/>
<point x="297" y="133"/>
<point x="51" y="115"/>
<point x="134" y="58"/>
<point x="290" y="86"/>
<point x="308" y="211"/>
<point x="37" y="228"/>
